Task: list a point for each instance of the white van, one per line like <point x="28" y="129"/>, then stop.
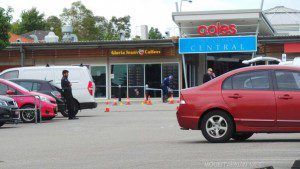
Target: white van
<point x="83" y="87"/>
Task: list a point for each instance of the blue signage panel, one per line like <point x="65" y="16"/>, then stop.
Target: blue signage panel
<point x="221" y="44"/>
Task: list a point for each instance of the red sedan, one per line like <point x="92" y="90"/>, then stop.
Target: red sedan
<point x="25" y="99"/>
<point x="259" y="99"/>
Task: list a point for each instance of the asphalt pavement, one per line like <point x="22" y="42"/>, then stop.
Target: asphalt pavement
<point x="136" y="136"/>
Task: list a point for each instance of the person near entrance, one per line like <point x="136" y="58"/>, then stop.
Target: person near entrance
<point x="209" y="75"/>
<point x="166" y="88"/>
<point x="67" y="94"/>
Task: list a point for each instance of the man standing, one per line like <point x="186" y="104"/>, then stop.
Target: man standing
<point x="67" y="93"/>
<point x="166" y="87"/>
<point x="209" y="75"/>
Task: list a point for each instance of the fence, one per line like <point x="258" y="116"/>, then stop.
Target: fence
<point x="37" y="107"/>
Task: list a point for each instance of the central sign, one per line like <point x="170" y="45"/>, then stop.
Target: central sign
<point x="221" y="44"/>
<point x="218" y="29"/>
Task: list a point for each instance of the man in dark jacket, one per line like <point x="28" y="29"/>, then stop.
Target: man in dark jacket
<point x="209" y="75"/>
<point x="67" y="93"/>
<point x="166" y="87"/>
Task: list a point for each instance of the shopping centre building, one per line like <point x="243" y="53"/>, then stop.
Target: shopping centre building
<point x="209" y="39"/>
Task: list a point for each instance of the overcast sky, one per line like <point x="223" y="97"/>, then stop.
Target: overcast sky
<point x="156" y="13"/>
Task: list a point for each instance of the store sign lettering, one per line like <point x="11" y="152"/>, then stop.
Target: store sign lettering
<point x="222" y="44"/>
<point x="218" y="29"/>
<point x="136" y="52"/>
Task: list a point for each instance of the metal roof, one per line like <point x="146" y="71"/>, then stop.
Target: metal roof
<point x="279" y="39"/>
<point x="281" y="15"/>
<point x="95" y="44"/>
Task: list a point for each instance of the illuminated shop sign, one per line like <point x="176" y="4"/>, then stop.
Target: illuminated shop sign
<point x="218" y="29"/>
<point x="222" y="44"/>
<point x="139" y="52"/>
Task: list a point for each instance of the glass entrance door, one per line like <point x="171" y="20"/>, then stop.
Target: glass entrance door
<point x="153" y="79"/>
<point x="99" y="76"/>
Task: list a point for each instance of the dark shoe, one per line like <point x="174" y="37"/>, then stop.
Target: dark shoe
<point x="75" y="118"/>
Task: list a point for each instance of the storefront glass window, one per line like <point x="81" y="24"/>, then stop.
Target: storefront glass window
<point x="134" y="77"/>
<point x="136" y="80"/>
<point x="119" y="77"/>
<point x="99" y="76"/>
<point x="153" y="79"/>
<point x="171" y="69"/>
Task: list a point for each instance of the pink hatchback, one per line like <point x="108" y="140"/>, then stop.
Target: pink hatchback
<point x="49" y="106"/>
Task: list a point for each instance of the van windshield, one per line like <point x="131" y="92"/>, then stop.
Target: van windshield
<point x="10" y="75"/>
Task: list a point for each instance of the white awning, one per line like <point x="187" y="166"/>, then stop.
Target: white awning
<point x="245" y="20"/>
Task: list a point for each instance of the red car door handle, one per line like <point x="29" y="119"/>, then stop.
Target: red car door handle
<point x="286" y="96"/>
<point x="235" y="96"/>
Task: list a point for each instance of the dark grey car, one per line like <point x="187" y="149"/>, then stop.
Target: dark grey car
<point x="8" y="110"/>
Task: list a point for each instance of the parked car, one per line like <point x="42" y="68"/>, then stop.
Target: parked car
<point x="27" y="100"/>
<point x="45" y="87"/>
<point x="8" y="110"/>
<point x="257" y="99"/>
<point x="83" y="87"/>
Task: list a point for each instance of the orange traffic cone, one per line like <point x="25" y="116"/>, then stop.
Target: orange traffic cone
<point x="171" y="100"/>
<point x="145" y="100"/>
<point x="115" y="102"/>
<point x="128" y="101"/>
<point x="107" y="109"/>
<point x="149" y="102"/>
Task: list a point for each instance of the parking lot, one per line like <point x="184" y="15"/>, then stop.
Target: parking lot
<point x="136" y="136"/>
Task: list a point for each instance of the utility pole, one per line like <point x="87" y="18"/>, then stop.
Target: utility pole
<point x="257" y="28"/>
<point x="178" y="9"/>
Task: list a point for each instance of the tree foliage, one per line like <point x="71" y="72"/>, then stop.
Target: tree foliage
<point x="89" y="27"/>
<point x="82" y="20"/>
<point x="55" y="23"/>
<point x="112" y="29"/>
<point x="32" y="20"/>
<point x="85" y="24"/>
<point x="5" y="18"/>
<point x="154" y="33"/>
<point x="16" y="28"/>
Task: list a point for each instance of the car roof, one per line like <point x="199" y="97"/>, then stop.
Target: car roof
<point x="265" y="67"/>
<point x="48" y="67"/>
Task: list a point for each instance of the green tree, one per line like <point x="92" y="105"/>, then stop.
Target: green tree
<point x="55" y="23"/>
<point x="32" y="20"/>
<point x="102" y="24"/>
<point x="82" y="20"/>
<point x="112" y="29"/>
<point x="5" y="18"/>
<point x="121" y="25"/>
<point x="16" y="28"/>
<point x="154" y="33"/>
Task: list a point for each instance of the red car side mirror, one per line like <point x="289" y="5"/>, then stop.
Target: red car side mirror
<point x="10" y="92"/>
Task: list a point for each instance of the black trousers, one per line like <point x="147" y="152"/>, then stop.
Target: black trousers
<point x="70" y="104"/>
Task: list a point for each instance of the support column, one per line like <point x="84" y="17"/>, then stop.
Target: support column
<point x="22" y="59"/>
<point x="108" y="79"/>
<point x="184" y="71"/>
<point x="201" y="68"/>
